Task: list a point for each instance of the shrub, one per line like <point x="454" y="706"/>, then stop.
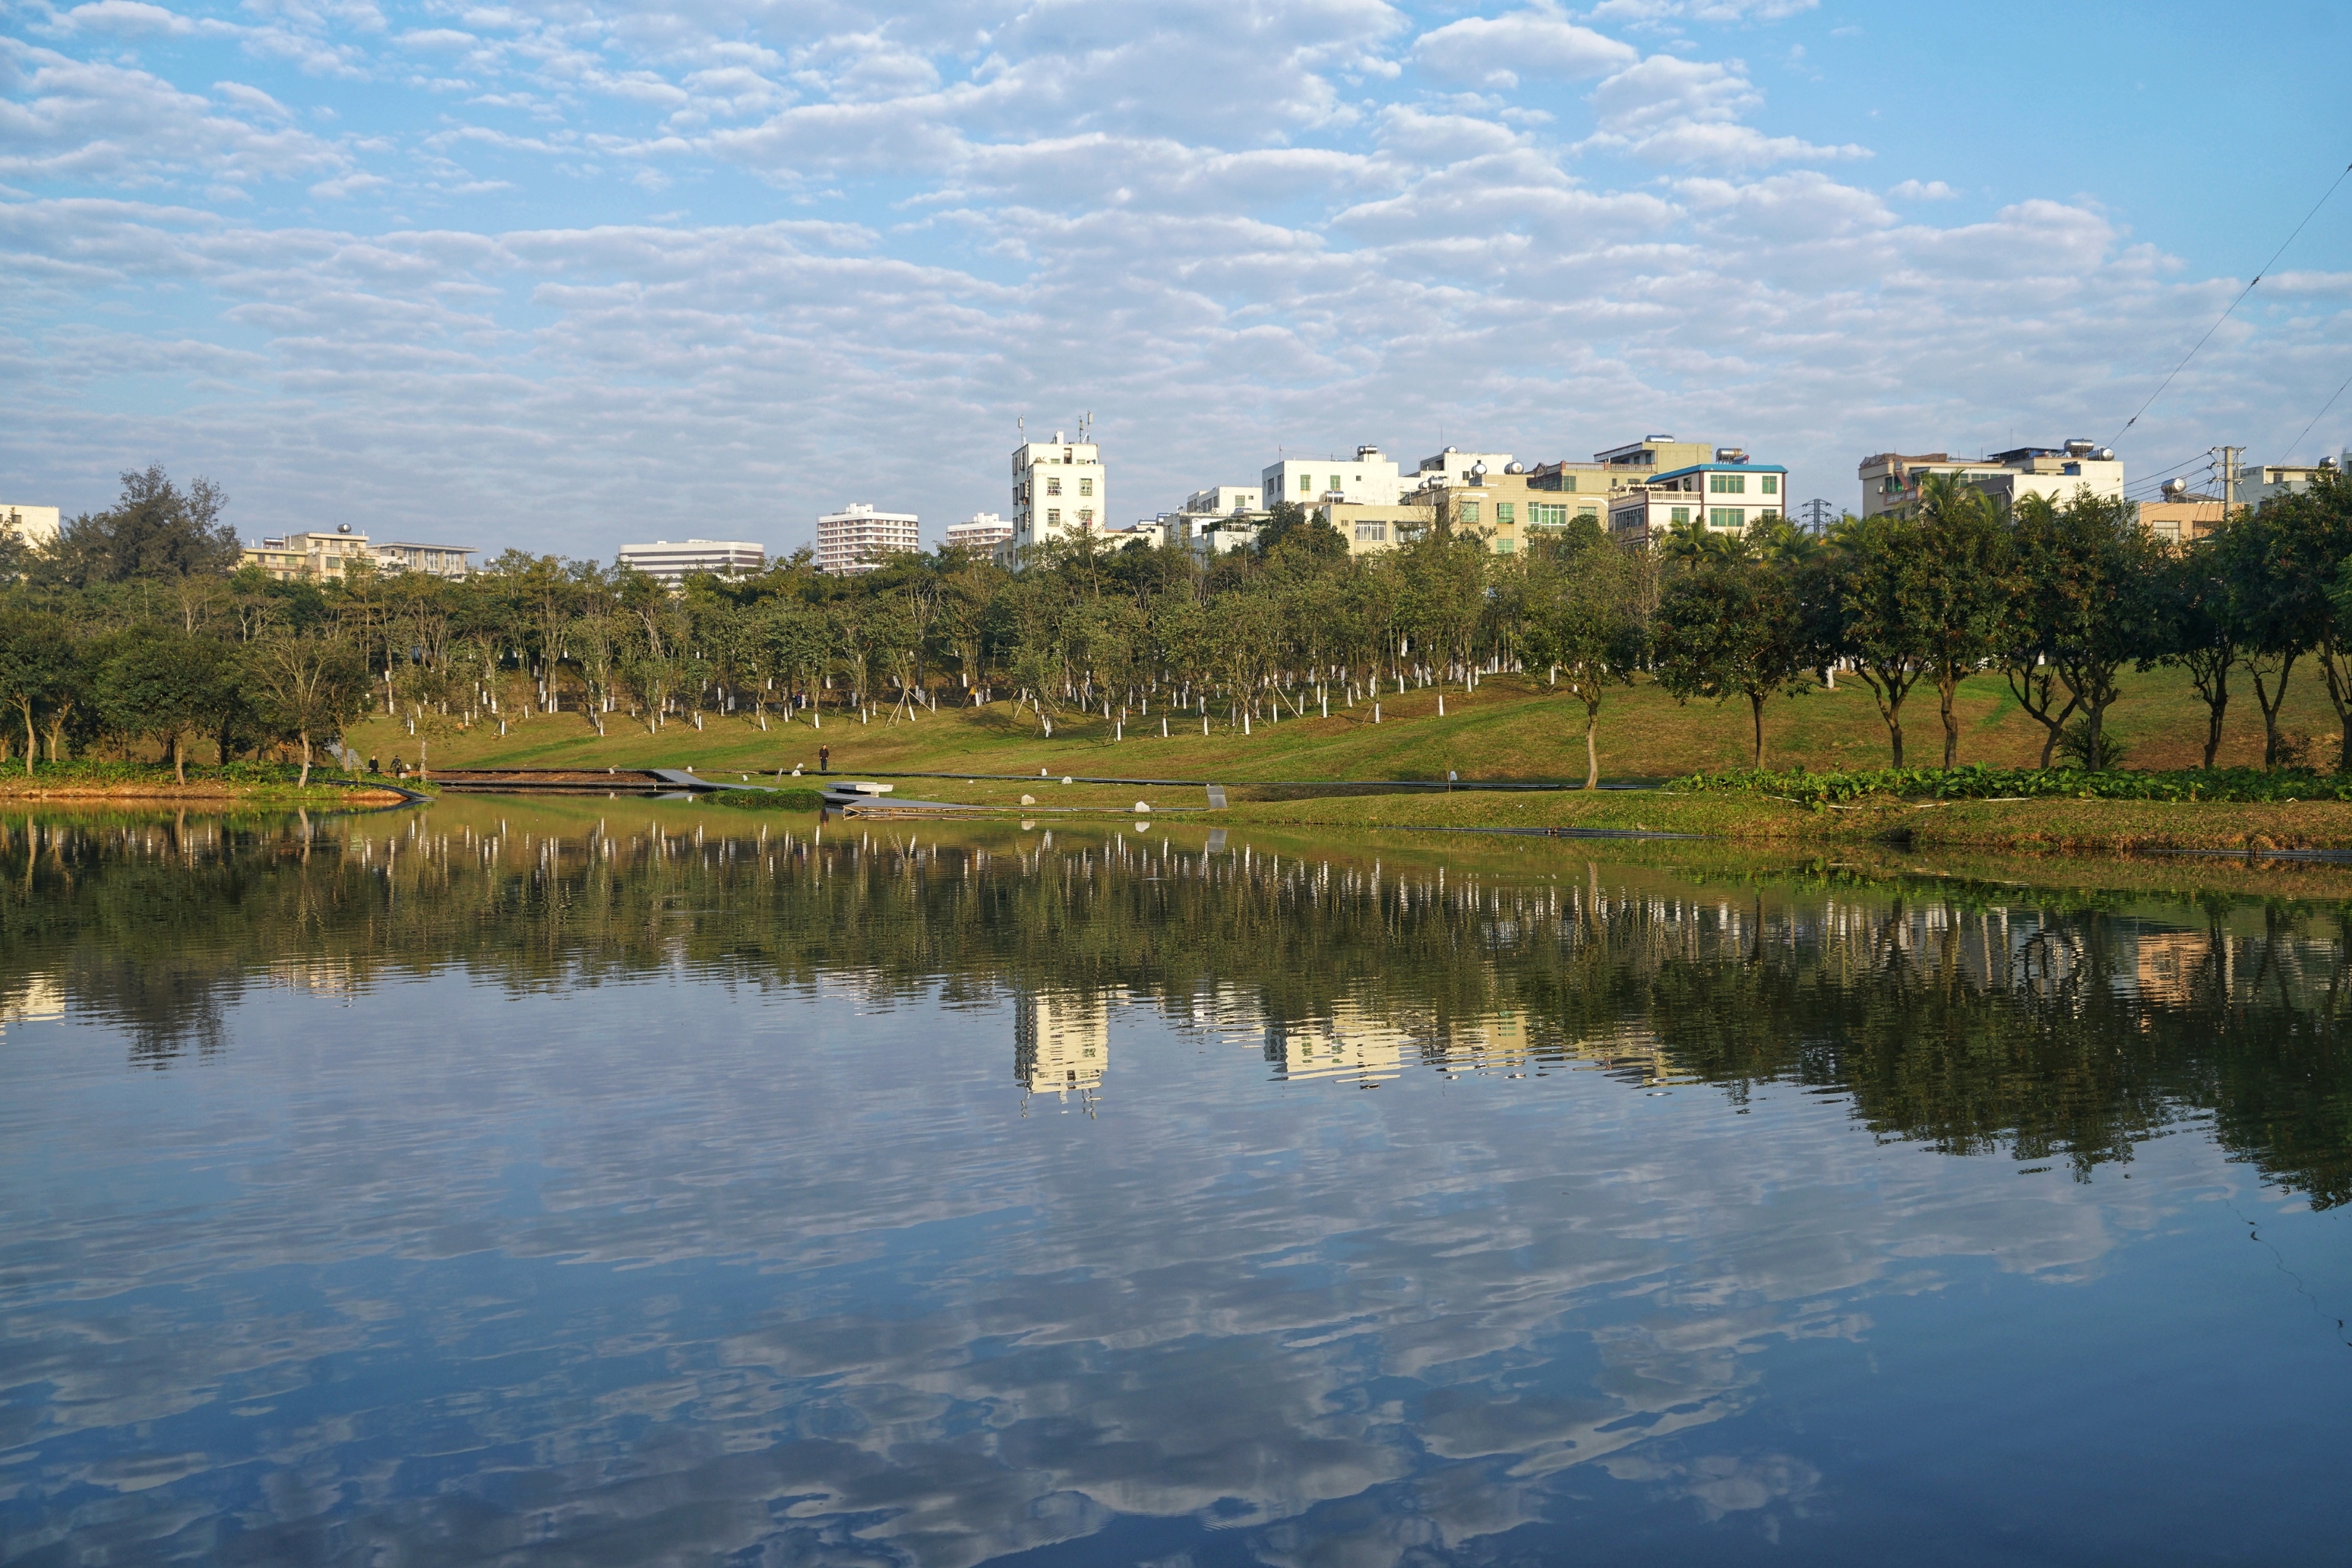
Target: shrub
<point x="2074" y="745"/>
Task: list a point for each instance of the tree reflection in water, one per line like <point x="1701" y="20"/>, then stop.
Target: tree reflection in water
<point x="1975" y="1019"/>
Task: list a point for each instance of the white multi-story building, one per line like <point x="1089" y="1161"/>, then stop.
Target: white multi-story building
<point x="982" y="531"/>
<point x="1891" y="481"/>
<point x="36" y="525"/>
<point x="1366" y="480"/>
<point x="433" y="559"/>
<point x="1225" y="500"/>
<point x="859" y="539"/>
<point x="671" y="563"/>
<point x="1730" y="495"/>
<point x="1455" y="467"/>
<point x="1060" y="489"/>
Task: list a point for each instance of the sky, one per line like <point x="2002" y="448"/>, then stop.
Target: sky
<point x="562" y="276"/>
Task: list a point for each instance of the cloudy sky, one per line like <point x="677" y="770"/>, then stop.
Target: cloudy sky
<point x="562" y="274"/>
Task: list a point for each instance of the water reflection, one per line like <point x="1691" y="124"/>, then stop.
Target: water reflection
<point x="585" y="1188"/>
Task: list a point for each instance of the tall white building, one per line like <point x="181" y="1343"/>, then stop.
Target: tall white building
<point x="859" y="539"/>
<point x="671" y="563"/>
<point x="1368" y="478"/>
<point x="1060" y="489"/>
<point x="981" y="530"/>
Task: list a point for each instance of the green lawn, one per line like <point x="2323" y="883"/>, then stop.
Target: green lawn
<point x="1510" y="728"/>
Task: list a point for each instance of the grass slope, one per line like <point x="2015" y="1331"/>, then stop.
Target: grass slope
<point x="1510" y="728"/>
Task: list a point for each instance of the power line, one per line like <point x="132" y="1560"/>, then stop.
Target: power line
<point x="2233" y="305"/>
<point x="2146" y="479"/>
<point x="2316" y="418"/>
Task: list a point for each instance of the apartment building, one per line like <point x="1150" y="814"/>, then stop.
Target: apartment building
<point x="1729" y="493"/>
<point x="36" y="525"/>
<point x="858" y="538"/>
<point x="1060" y="489"/>
<point x="1225" y="500"/>
<point x="1891" y="481"/>
<point x="1638" y="462"/>
<point x="2258" y="482"/>
<point x="1455" y="467"/>
<point x="312" y="553"/>
<point x="670" y="563"/>
<point x="983" y="530"/>
<point x="452" y="561"/>
<point x="1370" y="530"/>
<point x="1369" y="479"/>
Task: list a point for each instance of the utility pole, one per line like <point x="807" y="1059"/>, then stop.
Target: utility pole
<point x="2230" y="455"/>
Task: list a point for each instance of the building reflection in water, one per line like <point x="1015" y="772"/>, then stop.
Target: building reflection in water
<point x="1061" y="1044"/>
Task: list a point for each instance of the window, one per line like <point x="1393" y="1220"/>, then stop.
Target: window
<point x="1505" y="511"/>
<point x="1085" y="517"/>
<point x="1546" y="514"/>
<point x="1469" y="512"/>
<point x="1724" y="516"/>
<point x="1589" y="508"/>
<point x="1336" y="484"/>
<point x="1086" y="487"/>
<point x="1374" y="532"/>
<point x="1306" y="483"/>
<point x="1727" y="484"/>
<point x="1771" y="485"/>
<point x="1678" y="514"/>
<point x="1053" y="517"/>
<point x="1568" y="482"/>
<point x="1505" y="546"/>
<point x="1054" y="484"/>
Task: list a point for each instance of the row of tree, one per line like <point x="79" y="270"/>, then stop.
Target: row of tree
<point x="136" y="628"/>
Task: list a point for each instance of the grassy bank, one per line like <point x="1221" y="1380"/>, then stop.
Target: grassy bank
<point x="2106" y="827"/>
<point x="1509" y="728"/>
<point x="253" y="784"/>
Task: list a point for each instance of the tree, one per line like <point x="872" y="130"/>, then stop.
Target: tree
<point x="1731" y="627"/>
<point x="1962" y="591"/>
<point x="2194" y="626"/>
<point x="155" y="532"/>
<point x="2313" y="530"/>
<point x="162" y="684"/>
<point x="308" y="686"/>
<point x="38" y="672"/>
<point x="1581" y="622"/>
<point x="2085" y="575"/>
<point x="1880" y="605"/>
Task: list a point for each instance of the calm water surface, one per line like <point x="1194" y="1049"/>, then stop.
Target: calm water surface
<point x="625" y="1182"/>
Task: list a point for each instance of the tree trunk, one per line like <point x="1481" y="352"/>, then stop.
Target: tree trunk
<point x="1947" y="689"/>
<point x="304" y="781"/>
<point x="2270" y="701"/>
<point x="29" y="751"/>
<point x="1592" y="756"/>
<point x="2216" y="693"/>
<point x="179" y="758"/>
<point x="1756" y="707"/>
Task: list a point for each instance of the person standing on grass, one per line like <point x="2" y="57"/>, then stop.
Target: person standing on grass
<point x="825" y="759"/>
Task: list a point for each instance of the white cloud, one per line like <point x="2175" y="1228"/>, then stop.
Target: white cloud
<point x="1931" y="191"/>
<point x="1498" y="52"/>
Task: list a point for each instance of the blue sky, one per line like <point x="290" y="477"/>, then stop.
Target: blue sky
<point x="562" y="275"/>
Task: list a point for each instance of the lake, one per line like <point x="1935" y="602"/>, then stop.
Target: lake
<point x="635" y="1182"/>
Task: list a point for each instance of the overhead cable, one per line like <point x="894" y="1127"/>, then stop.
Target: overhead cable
<point x="2316" y="418"/>
<point x="2233" y="304"/>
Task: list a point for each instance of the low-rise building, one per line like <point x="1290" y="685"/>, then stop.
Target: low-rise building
<point x="1891" y="481"/>
<point x="2258" y="482"/>
<point x="1369" y="479"/>
<point x="1729" y="494"/>
<point x="1222" y="535"/>
<point x="36" y="525"/>
<point x="2182" y="517"/>
<point x="1060" y="488"/>
<point x="1371" y="530"/>
<point x="314" y="554"/>
<point x="1224" y="500"/>
<point x="983" y="530"/>
<point x="671" y="563"/>
<point x="859" y="539"/>
<point x="1455" y="467"/>
<point x="433" y="559"/>
<point x="1638" y="462"/>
